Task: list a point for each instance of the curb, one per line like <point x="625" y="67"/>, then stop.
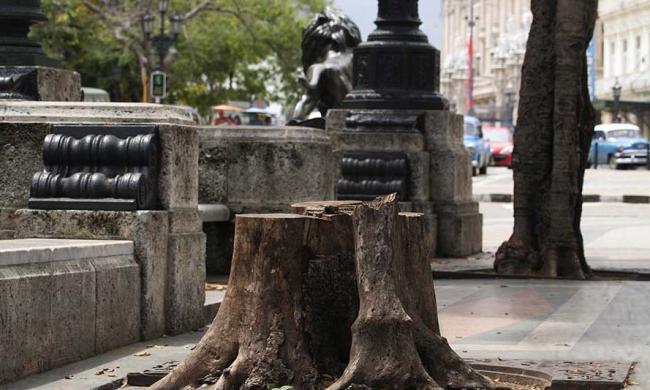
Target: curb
<point x="587" y="198"/>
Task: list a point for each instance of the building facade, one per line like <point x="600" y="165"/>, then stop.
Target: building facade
<point x="623" y="56"/>
<point x="499" y="31"/>
<point x="499" y="28"/>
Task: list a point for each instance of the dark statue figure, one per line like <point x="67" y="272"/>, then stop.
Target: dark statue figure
<point x="327" y="45"/>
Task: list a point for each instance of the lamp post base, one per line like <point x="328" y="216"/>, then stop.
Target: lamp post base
<point x="39" y="83"/>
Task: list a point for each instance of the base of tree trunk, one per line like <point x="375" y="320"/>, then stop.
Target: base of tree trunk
<point x="337" y="298"/>
<point x="551" y="145"/>
<point x="514" y="257"/>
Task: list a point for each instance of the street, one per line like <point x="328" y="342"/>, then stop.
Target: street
<point x="602" y="181"/>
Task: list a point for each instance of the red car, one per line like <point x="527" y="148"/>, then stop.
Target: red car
<point x="500" y="139"/>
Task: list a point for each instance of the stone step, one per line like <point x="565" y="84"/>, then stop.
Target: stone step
<point x="36" y="250"/>
<point x="64" y="301"/>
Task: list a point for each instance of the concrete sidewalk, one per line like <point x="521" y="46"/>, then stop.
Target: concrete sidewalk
<point x="504" y="319"/>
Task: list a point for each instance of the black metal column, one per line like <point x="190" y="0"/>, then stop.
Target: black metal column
<point x="16" y="49"/>
<point x="396" y="68"/>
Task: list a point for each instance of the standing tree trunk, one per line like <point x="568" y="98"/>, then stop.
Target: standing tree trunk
<point x="552" y="142"/>
<point x="345" y="294"/>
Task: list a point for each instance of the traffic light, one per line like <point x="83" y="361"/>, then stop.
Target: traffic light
<point x="158" y="84"/>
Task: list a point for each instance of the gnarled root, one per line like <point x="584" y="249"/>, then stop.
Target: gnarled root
<point x="514" y="257"/>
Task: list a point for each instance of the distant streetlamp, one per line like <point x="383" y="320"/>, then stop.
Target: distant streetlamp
<point x="162" y="41"/>
<point x="616" y="91"/>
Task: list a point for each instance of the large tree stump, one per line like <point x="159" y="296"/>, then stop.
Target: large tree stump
<point x="340" y="297"/>
<point x="257" y="337"/>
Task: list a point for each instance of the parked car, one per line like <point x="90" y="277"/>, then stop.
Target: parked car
<point x="259" y="117"/>
<point x="476" y="145"/>
<point x="500" y="139"/>
<point x="618" y="144"/>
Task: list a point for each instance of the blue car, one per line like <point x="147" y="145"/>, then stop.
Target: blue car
<point x="618" y="145"/>
<point x="477" y="146"/>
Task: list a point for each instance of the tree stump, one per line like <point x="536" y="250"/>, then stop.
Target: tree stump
<point x="337" y="297"/>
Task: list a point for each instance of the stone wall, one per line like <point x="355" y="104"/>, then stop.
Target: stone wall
<point x="147" y="230"/>
<point x="65" y="300"/>
<point x="264" y="169"/>
<point x="259" y="170"/>
<point x="170" y="246"/>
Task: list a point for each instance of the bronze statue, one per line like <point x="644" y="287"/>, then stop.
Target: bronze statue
<point x="327" y="45"/>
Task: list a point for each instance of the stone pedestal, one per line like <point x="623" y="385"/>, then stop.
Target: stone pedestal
<point x="169" y="244"/>
<point x="460" y="224"/>
<point x="439" y="169"/>
<point x="39" y="83"/>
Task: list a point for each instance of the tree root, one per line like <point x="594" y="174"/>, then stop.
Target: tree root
<point x="514" y="257"/>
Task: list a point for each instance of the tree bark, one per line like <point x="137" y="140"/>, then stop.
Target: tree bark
<point x="257" y="337"/>
<point x="396" y="298"/>
<point x="552" y="141"/>
<point x="313" y="297"/>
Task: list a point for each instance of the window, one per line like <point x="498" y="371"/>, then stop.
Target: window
<point x="598" y="135"/>
<point x="624" y="133"/>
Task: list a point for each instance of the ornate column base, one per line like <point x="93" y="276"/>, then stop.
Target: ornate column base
<point x="418" y="154"/>
<point x="39" y="83"/>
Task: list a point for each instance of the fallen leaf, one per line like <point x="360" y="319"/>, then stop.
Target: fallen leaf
<point x="143" y="353"/>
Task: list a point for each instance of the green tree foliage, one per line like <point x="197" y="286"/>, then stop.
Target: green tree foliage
<point x="74" y="36"/>
<point x="231" y="49"/>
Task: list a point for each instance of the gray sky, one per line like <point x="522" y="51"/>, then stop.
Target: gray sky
<point x="364" y="12"/>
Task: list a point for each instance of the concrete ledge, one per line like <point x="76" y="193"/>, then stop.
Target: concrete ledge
<point x="32" y="251"/>
<point x="214" y="213"/>
<point x="80" y="112"/>
<point x="588" y="198"/>
<point x="57" y="312"/>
